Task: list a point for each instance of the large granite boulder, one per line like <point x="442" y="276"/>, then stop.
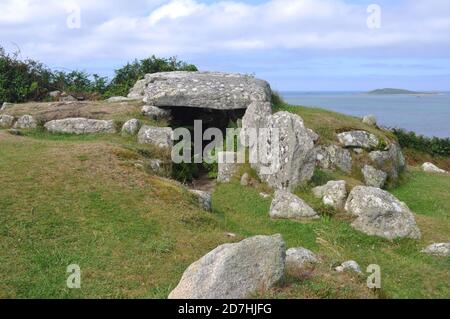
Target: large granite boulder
<point x="286" y="205"/>
<point x="334" y="157"/>
<point x="234" y="271"/>
<point x="286" y="155"/>
<point x="373" y="177"/>
<point x="333" y="193"/>
<point x="257" y="115"/>
<point x="6" y="121"/>
<point x="80" y="126"/>
<point x="431" y="168"/>
<point x="358" y="139"/>
<point x="390" y="160"/>
<point x="212" y="90"/>
<point x="381" y="214"/>
<point x="157" y="136"/>
<point x="25" y="122"/>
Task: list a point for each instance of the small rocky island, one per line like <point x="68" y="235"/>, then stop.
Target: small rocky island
<point x="391" y="91"/>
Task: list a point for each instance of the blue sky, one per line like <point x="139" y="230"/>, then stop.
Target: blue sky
<point x="294" y="44"/>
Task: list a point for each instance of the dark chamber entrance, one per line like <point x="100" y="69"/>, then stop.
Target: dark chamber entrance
<point x="221" y="119"/>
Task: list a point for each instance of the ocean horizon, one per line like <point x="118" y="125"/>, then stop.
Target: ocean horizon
<point x="427" y="115"/>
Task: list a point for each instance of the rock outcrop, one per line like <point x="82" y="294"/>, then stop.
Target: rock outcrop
<point x="131" y="127"/>
<point x="234" y="271"/>
<point x="286" y="156"/>
<point x="333" y="193"/>
<point x="334" y="157"/>
<point x="286" y="205"/>
<point x="6" y="121"/>
<point x="80" y="126"/>
<point x="431" y="168"/>
<point x="358" y="139"/>
<point x="380" y="214"/>
<point x="25" y="122"/>
<point x="158" y="136"/>
<point x="213" y="90"/>
<point x="373" y="177"/>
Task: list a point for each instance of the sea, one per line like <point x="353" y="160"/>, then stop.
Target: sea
<point x="427" y="115"/>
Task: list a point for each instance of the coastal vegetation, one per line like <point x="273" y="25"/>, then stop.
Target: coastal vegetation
<point x="23" y="80"/>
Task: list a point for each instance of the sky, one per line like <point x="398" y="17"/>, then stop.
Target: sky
<point x="304" y="45"/>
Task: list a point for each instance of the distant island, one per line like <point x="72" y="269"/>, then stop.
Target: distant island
<point x="398" y="91"/>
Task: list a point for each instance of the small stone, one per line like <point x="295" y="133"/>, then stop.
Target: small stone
<point x="204" y="199"/>
<point x="115" y="99"/>
<point x="438" y="249"/>
<point x="245" y="179"/>
<point x="431" y="168"/>
<point x="68" y="98"/>
<point x="55" y="94"/>
<point x="299" y="257"/>
<point x="349" y="265"/>
<point x="264" y="195"/>
<point x="286" y="205"/>
<point x="131" y="127"/>
<point x="370" y="120"/>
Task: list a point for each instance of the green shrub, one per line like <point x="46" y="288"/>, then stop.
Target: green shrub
<point x="127" y="76"/>
<point x="29" y="80"/>
<point x="431" y="145"/>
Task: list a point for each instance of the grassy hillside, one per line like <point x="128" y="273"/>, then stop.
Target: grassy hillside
<point x="68" y="199"/>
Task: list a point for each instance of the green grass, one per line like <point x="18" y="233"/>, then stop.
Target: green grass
<point x="80" y="199"/>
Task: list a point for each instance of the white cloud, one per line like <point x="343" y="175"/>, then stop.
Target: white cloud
<point x="175" y="9"/>
<point x="128" y="29"/>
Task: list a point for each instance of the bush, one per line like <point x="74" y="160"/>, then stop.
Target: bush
<point x="434" y="146"/>
<point x="127" y="76"/>
<point x="29" y="80"/>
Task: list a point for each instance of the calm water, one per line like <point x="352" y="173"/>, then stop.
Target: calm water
<point x="427" y="115"/>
